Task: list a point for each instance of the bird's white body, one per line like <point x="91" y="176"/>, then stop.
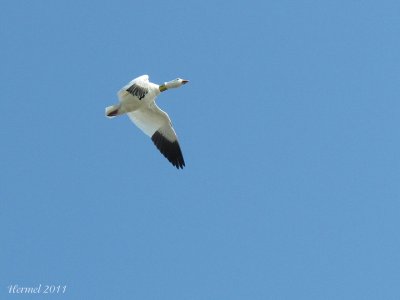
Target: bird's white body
<point x="137" y="100"/>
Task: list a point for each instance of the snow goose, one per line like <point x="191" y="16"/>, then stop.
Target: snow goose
<point x="137" y="100"/>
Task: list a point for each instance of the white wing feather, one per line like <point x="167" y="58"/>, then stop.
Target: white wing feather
<point x="151" y="119"/>
<point x="142" y="81"/>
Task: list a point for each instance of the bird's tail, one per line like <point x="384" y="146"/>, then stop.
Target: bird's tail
<point x="113" y="111"/>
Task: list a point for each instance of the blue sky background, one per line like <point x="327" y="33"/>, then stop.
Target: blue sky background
<point x="289" y="128"/>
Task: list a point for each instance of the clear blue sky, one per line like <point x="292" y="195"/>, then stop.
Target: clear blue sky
<point x="289" y="128"/>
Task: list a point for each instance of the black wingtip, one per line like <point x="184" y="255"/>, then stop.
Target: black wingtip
<point x="171" y="150"/>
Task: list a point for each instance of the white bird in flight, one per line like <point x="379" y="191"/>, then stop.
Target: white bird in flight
<point x="137" y="100"/>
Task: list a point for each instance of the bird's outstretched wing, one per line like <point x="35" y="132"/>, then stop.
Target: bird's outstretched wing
<point x="138" y="87"/>
<point x="156" y="123"/>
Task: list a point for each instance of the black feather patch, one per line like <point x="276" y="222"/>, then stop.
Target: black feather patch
<point x="171" y="150"/>
<point x="137" y="91"/>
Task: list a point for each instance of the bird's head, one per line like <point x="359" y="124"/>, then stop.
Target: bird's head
<point x="178" y="82"/>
